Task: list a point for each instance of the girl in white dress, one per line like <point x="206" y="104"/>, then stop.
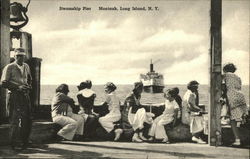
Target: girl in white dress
<point x="169" y="115"/>
<point x="114" y="114"/>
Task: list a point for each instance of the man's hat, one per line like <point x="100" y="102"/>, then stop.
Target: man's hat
<point x="19" y="51"/>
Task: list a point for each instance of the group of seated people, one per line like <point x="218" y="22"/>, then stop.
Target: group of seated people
<point x="130" y="120"/>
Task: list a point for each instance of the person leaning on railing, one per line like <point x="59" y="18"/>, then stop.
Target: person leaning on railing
<point x="235" y="99"/>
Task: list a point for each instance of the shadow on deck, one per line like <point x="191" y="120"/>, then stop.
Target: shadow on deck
<point x="115" y="150"/>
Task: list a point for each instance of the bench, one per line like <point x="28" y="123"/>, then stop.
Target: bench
<point x="44" y="131"/>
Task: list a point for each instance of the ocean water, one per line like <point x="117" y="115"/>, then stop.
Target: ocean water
<point x="48" y="91"/>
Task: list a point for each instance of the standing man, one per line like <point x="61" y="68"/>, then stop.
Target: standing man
<point x="16" y="77"/>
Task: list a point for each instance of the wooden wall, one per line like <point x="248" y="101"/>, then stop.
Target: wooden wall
<point x="5" y="51"/>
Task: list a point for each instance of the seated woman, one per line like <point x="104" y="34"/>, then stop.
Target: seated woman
<point x="135" y="114"/>
<point x="86" y="97"/>
<point x="191" y="112"/>
<point x="61" y="112"/>
<point x="114" y="115"/>
<point x="169" y="115"/>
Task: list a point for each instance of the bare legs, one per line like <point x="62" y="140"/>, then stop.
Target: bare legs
<point x="236" y="132"/>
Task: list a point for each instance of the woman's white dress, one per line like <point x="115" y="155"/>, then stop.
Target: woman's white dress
<point x="114" y="114"/>
<point x="157" y="129"/>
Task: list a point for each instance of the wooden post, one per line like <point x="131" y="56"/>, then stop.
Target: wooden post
<point x="26" y="43"/>
<point x="215" y="73"/>
<point x="35" y="67"/>
<point x="5" y="50"/>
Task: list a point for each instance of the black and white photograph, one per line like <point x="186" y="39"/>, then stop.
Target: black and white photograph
<point x="125" y="79"/>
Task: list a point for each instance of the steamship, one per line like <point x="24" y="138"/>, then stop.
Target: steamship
<point x="153" y="82"/>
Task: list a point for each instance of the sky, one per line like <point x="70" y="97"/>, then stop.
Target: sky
<point x="117" y="46"/>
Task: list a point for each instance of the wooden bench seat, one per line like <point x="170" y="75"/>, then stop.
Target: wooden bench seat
<point x="44" y="131"/>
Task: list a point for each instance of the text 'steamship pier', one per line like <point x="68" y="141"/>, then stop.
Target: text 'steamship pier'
<point x="153" y="82"/>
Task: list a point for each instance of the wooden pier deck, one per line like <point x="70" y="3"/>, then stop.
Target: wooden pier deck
<point x="128" y="150"/>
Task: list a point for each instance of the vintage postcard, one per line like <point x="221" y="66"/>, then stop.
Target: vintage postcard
<point x="164" y="44"/>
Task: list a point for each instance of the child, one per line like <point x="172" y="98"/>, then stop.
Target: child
<point x="169" y="115"/>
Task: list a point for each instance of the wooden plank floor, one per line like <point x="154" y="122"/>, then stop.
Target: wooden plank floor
<point x="120" y="150"/>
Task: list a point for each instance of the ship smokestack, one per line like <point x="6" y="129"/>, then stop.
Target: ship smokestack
<point x="151" y="66"/>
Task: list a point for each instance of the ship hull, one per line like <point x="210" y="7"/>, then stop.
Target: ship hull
<point x="153" y="89"/>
